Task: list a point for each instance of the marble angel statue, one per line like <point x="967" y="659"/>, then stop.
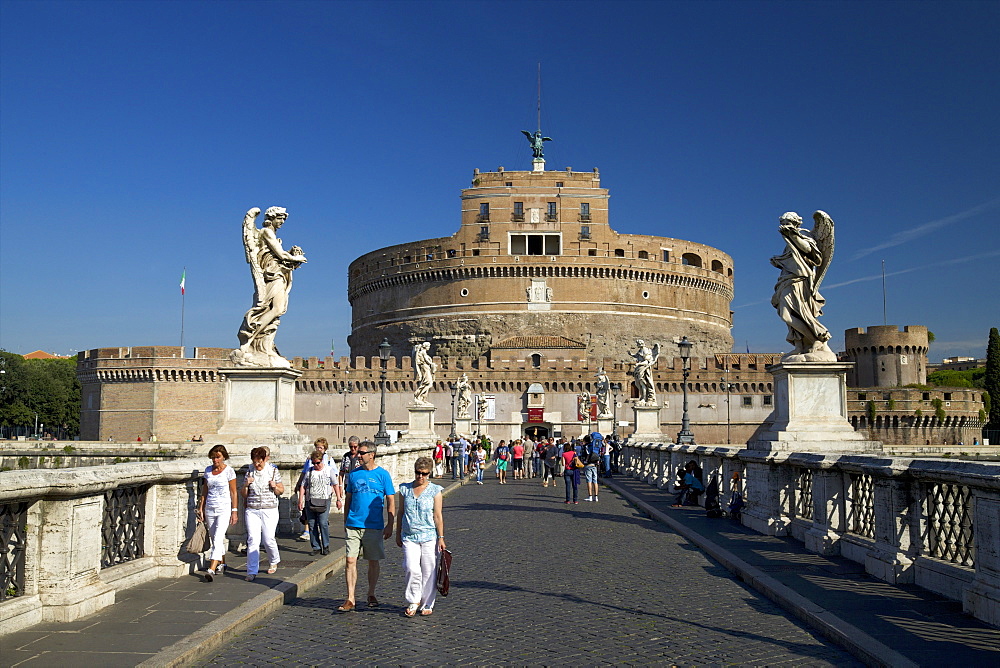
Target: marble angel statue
<point x="803" y="265"/>
<point x="642" y="374"/>
<point x="271" y="268"/>
<point x="603" y="385"/>
<point x="463" y="396"/>
<point x="424" y="368"/>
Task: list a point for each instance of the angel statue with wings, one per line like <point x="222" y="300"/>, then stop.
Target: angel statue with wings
<point x="537" y="142"/>
<point x="643" y="372"/>
<point x="271" y="267"/>
<point x="424" y="368"/>
<point x="464" y="394"/>
<point x="796" y="295"/>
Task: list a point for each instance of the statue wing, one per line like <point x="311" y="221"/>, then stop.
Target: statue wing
<point x="527" y="134"/>
<point x="823" y="234"/>
<point x="546" y="138"/>
<point x="251" y="244"/>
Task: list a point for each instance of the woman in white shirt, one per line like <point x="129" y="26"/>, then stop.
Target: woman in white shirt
<point x="217" y="507"/>
<point x="262" y="489"/>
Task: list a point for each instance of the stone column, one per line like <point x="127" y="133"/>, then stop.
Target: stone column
<point x="69" y="565"/>
<point x="823" y="537"/>
<point x="662" y="466"/>
<point x="765" y="481"/>
<point x="982" y="597"/>
<point x="421" y="424"/>
<point x="891" y="558"/>
<point x="647" y="424"/>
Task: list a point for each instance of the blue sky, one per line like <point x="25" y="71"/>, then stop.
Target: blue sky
<point x="134" y="135"/>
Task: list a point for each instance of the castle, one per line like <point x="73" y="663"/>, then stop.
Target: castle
<point x="531" y="296"/>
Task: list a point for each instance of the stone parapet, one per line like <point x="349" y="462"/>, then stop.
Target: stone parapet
<point x="931" y="522"/>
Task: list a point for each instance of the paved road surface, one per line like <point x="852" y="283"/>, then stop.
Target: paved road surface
<point x="537" y="582"/>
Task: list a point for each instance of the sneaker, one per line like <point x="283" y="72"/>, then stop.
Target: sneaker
<point x="596" y="499"/>
<point x="220" y="569"/>
<point x="589" y="498"/>
<point x="479" y="482"/>
<point x="209" y="575"/>
<point x="303" y="536"/>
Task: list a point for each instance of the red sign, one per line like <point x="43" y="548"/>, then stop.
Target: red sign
<point x="536" y="415"/>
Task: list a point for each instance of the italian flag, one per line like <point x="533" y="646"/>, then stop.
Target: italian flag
<point x="183" y="276"/>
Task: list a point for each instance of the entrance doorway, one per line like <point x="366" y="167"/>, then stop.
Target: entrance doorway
<point x="536" y="433"/>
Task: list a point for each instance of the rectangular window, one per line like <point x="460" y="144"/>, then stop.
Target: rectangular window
<point x="585" y="208"/>
<point x="585" y="231"/>
<point x="666" y="255"/>
<point x="862" y="396"/>
<point x="484" y="209"/>
<point x="509" y="184"/>
<point x="518" y="208"/>
<point x="535" y="244"/>
<point x="768" y="400"/>
<point x="947" y="396"/>
<point x="559" y="184"/>
<point x="550" y="212"/>
<point x="747" y="402"/>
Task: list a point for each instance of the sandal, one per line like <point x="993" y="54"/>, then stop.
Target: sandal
<point x="272" y="568"/>
<point x="426" y="612"/>
<point x="372" y="602"/>
<point x="346" y="606"/>
<point x="411" y="611"/>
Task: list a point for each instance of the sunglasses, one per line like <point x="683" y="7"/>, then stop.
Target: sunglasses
<point x="422" y="472"/>
<point x="364" y="452"/>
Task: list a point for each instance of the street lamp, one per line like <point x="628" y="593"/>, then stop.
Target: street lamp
<point x="382" y="437"/>
<point x="729" y="389"/>
<point x="615" y="389"/>
<point x="348" y="388"/>
<point x="684" y="436"/>
<point x="454" y="389"/>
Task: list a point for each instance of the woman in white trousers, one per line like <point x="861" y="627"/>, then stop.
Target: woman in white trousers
<point x="217" y="507"/>
<point x="420" y="532"/>
<point x="262" y="488"/>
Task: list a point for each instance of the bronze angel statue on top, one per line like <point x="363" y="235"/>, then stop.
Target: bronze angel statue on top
<point x="271" y="268"/>
<point x="803" y="265"/>
<point x="537" y="142"/>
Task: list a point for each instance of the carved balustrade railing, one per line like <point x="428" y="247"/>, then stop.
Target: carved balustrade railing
<point x="69" y="539"/>
<point x="906" y="520"/>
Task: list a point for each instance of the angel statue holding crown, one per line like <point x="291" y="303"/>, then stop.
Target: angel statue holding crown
<point x="803" y="265"/>
<point x="271" y="268"/>
<point x="643" y="372"/>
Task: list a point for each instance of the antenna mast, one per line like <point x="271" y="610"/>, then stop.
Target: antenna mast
<point x="539" y="97"/>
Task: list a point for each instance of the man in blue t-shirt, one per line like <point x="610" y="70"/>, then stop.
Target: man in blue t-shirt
<point x="368" y="491"/>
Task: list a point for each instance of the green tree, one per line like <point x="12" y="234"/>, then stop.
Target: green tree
<point x="991" y="379"/>
<point x="46" y="388"/>
<point x="870" y="409"/>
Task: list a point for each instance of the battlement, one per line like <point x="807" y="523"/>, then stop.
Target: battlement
<point x="884" y="336"/>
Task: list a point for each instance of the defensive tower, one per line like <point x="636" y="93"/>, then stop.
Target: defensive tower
<point x="884" y="356"/>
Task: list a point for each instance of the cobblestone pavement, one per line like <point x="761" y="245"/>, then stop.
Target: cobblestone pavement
<point x="537" y="582"/>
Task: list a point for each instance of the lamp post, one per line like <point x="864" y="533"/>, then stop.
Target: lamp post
<point x="615" y="389"/>
<point x="382" y="437"/>
<point x="684" y="436"/>
<point x="454" y="389"/>
<point x="729" y="388"/>
<point x="344" y="391"/>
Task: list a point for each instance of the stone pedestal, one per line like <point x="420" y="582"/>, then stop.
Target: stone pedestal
<point x="463" y="426"/>
<point x="538" y="165"/>
<point x="605" y="425"/>
<point x="421" y="424"/>
<point x="810" y="411"/>
<point x="259" y="407"/>
<point x="647" y="424"/>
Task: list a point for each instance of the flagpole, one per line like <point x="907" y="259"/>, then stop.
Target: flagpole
<point x="183" y="278"/>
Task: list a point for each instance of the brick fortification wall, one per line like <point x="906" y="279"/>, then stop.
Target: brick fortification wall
<point x="535" y="255"/>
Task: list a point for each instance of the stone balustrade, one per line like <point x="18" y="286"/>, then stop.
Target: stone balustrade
<point x="71" y="538"/>
<point x="932" y="522"/>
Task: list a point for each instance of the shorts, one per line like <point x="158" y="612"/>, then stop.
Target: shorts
<point x="590" y="473"/>
<point x="366" y="543"/>
<point x="501" y="465"/>
<point x="518" y="463"/>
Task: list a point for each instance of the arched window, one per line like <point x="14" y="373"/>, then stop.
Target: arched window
<point x="717" y="266"/>
<point x="643" y="255"/>
<point x="691" y="259"/>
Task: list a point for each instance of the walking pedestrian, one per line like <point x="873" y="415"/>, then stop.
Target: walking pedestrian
<point x="420" y="532"/>
<point x="591" y="458"/>
<point x="261" y="491"/>
<point x="571" y="474"/>
<point x="218" y="507"/>
<point x="439" y="459"/>
<point x="503" y="461"/>
<point x="369" y="492"/>
<point x="480" y="458"/>
<point x="517" y="459"/>
<point x="322" y="445"/>
<point x="315" y="495"/>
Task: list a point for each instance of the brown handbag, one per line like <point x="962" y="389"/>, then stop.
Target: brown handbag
<point x="196" y="543"/>
<point x="443" y="569"/>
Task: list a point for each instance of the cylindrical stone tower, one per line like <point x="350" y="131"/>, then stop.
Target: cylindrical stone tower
<point x="535" y="255"/>
<point x="887" y="357"/>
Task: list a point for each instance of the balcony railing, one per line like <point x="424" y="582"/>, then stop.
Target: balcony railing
<point x="517" y="217"/>
<point x="551" y="218"/>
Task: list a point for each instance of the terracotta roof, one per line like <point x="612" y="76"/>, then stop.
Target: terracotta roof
<point x="42" y="355"/>
<point x="537" y="342"/>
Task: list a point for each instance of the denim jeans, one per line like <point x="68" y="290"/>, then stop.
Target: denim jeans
<point x="572" y="482"/>
<point x="319" y="528"/>
<point x="607" y="465"/>
<point x="479" y="473"/>
<point x="456" y="465"/>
